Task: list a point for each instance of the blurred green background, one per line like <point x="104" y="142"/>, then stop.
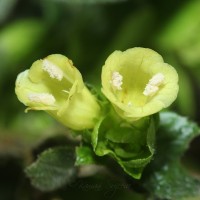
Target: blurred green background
<point x="86" y="31"/>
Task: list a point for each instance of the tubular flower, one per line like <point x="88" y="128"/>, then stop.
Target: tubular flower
<point x="138" y="83"/>
<point x="56" y="86"/>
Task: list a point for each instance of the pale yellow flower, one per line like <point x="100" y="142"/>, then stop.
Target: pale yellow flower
<point x="138" y="83"/>
<point x="53" y="84"/>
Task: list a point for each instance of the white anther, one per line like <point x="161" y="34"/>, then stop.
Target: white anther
<point x="150" y="90"/>
<point x="157" y="79"/>
<point x="153" y="85"/>
<point x="117" y="80"/>
<point x="53" y="70"/>
<point x="129" y="104"/>
<point x="44" y="98"/>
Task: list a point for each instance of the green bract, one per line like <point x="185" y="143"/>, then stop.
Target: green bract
<point x="138" y="83"/>
<point x="56" y="86"/>
<point x="130" y="144"/>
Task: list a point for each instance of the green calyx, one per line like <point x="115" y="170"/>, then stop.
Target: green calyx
<point x="130" y="144"/>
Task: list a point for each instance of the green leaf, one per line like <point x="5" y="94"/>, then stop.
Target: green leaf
<point x="53" y="169"/>
<point x="131" y="145"/>
<point x="84" y="156"/>
<point x="175" y="134"/>
<point x="165" y="177"/>
<point x="173" y="182"/>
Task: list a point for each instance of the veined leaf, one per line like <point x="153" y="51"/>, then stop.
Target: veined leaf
<point x="167" y="178"/>
<point x="53" y="169"/>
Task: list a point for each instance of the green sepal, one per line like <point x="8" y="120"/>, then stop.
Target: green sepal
<point x="130" y="144"/>
<point x="84" y="156"/>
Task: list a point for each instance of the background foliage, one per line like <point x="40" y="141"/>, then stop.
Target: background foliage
<point x="87" y="31"/>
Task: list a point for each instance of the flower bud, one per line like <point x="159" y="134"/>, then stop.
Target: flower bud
<point x="56" y="86"/>
<point x="138" y="83"/>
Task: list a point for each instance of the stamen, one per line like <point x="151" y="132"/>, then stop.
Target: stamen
<point x="66" y="91"/>
<point x="117" y="80"/>
<point x="53" y="70"/>
<point x="130" y="104"/>
<point x="153" y="85"/>
<point x="157" y="79"/>
<point x="150" y="90"/>
<point x="44" y="98"/>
